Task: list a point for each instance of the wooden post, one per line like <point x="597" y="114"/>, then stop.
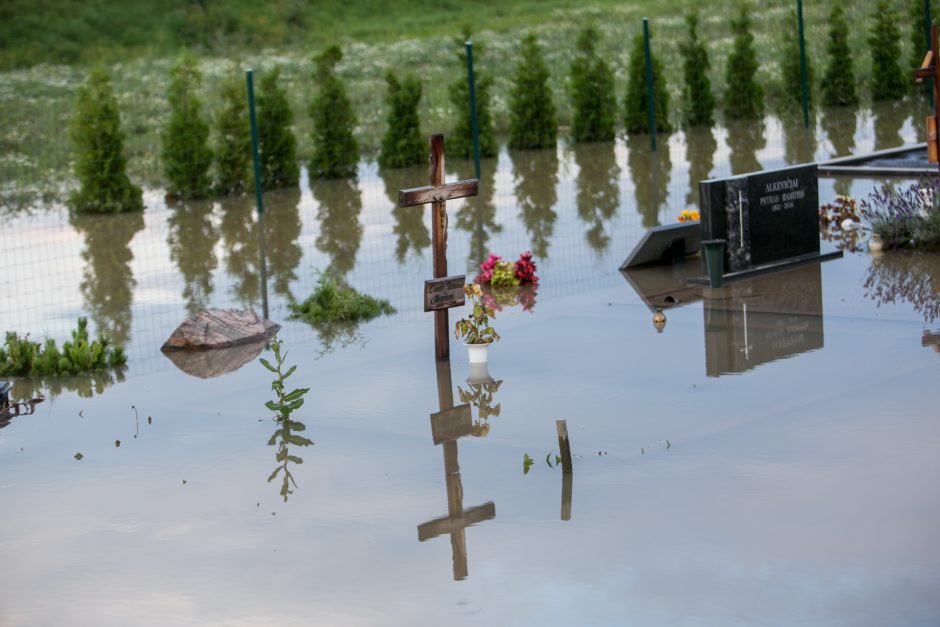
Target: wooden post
<point x="438" y="193"/>
<point x="564" y="445"/>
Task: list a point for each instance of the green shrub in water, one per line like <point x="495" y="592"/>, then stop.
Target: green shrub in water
<point x="277" y="144"/>
<point x="98" y="145"/>
<point x="838" y="86"/>
<point x="233" y="148"/>
<point x="335" y="301"/>
<point x="635" y="106"/>
<point x="186" y="155"/>
<point x="744" y="96"/>
<point x="335" y="150"/>
<point x="592" y="92"/>
<point x="532" y="122"/>
<point x="402" y="144"/>
<point x="19" y="357"/>
<point x="699" y="106"/>
<point x="884" y="41"/>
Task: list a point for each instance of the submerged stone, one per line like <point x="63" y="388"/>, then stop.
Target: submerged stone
<point x="220" y="328"/>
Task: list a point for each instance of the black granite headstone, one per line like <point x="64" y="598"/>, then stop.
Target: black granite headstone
<point x="765" y="217"/>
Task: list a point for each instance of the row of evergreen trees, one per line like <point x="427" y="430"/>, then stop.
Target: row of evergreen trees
<point x="188" y="158"/>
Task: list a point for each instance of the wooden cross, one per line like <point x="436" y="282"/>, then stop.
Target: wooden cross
<point x="447" y="426"/>
<point x="438" y="193"/>
<point x="930" y="68"/>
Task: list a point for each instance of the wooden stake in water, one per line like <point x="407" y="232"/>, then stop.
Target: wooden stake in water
<point x="564" y="445"/>
<point x="438" y="193"/>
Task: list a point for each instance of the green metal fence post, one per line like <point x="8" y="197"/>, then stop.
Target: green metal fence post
<point x="650" y="99"/>
<point x="804" y="70"/>
<point x="474" y="127"/>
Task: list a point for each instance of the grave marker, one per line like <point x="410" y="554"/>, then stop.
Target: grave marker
<point x="438" y="193"/>
<point x="769" y="219"/>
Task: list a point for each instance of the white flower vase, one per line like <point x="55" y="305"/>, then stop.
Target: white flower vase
<point x="477" y="352"/>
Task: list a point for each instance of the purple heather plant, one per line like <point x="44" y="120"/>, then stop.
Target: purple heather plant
<point x="906" y="218"/>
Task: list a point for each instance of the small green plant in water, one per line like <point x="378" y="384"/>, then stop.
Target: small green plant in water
<point x="335" y="301"/>
<point x="20" y="357"/>
<point x="287" y="430"/>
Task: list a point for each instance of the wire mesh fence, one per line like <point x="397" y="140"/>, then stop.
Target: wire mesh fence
<point x="579" y="209"/>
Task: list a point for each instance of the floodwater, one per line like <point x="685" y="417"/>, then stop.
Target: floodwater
<point x="769" y="458"/>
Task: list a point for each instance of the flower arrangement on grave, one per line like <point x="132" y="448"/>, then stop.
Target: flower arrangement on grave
<point x="476" y="329"/>
<point x="832" y="216"/>
<point x="689" y="215"/>
<point x="506" y="284"/>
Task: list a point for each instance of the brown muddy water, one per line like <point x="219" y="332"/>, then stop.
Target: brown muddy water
<point x="769" y="458"/>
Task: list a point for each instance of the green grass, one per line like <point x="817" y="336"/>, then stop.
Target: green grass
<point x="138" y="41"/>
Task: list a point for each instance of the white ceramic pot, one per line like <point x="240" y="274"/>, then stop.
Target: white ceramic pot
<point x="477" y="352"/>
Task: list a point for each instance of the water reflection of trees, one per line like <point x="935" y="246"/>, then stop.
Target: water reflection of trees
<point x="839" y="125"/>
<point x="242" y="256"/>
<point x="243" y="252"/>
<point x="598" y="190"/>
<point x="535" y="176"/>
<point x="906" y="277"/>
<point x="107" y="280"/>
<point x="650" y="171"/>
<point x="700" y="146"/>
<point x="477" y="215"/>
<point x="281" y="231"/>
<point x="799" y="143"/>
<point x="192" y="238"/>
<point x="745" y="139"/>
<point x="888" y="122"/>
<point x="340" y="236"/>
<point x="410" y="228"/>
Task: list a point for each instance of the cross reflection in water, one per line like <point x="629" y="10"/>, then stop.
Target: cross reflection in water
<point x="447" y="426"/>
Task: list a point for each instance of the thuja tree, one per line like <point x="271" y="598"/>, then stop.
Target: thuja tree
<point x="335" y="150"/>
<point x="792" y="82"/>
<point x="98" y="146"/>
<point x="884" y="42"/>
<point x="635" y="105"/>
<point x="460" y="142"/>
<point x="699" y="105"/>
<point x="186" y="155"/>
<point x="532" y="122"/>
<point x="277" y="144"/>
<point x="744" y="96"/>
<point x="402" y="144"/>
<point x="592" y="92"/>
<point x="233" y="150"/>
<point x="838" y="86"/>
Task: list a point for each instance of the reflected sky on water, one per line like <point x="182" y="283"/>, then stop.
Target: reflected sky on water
<point x="726" y="471"/>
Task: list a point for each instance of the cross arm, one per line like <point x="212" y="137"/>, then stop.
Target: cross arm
<point x="926" y="69"/>
<point x="471" y="516"/>
<point x="440" y="193"/>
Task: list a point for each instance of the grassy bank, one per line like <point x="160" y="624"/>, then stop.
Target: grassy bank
<point x="36" y="102"/>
